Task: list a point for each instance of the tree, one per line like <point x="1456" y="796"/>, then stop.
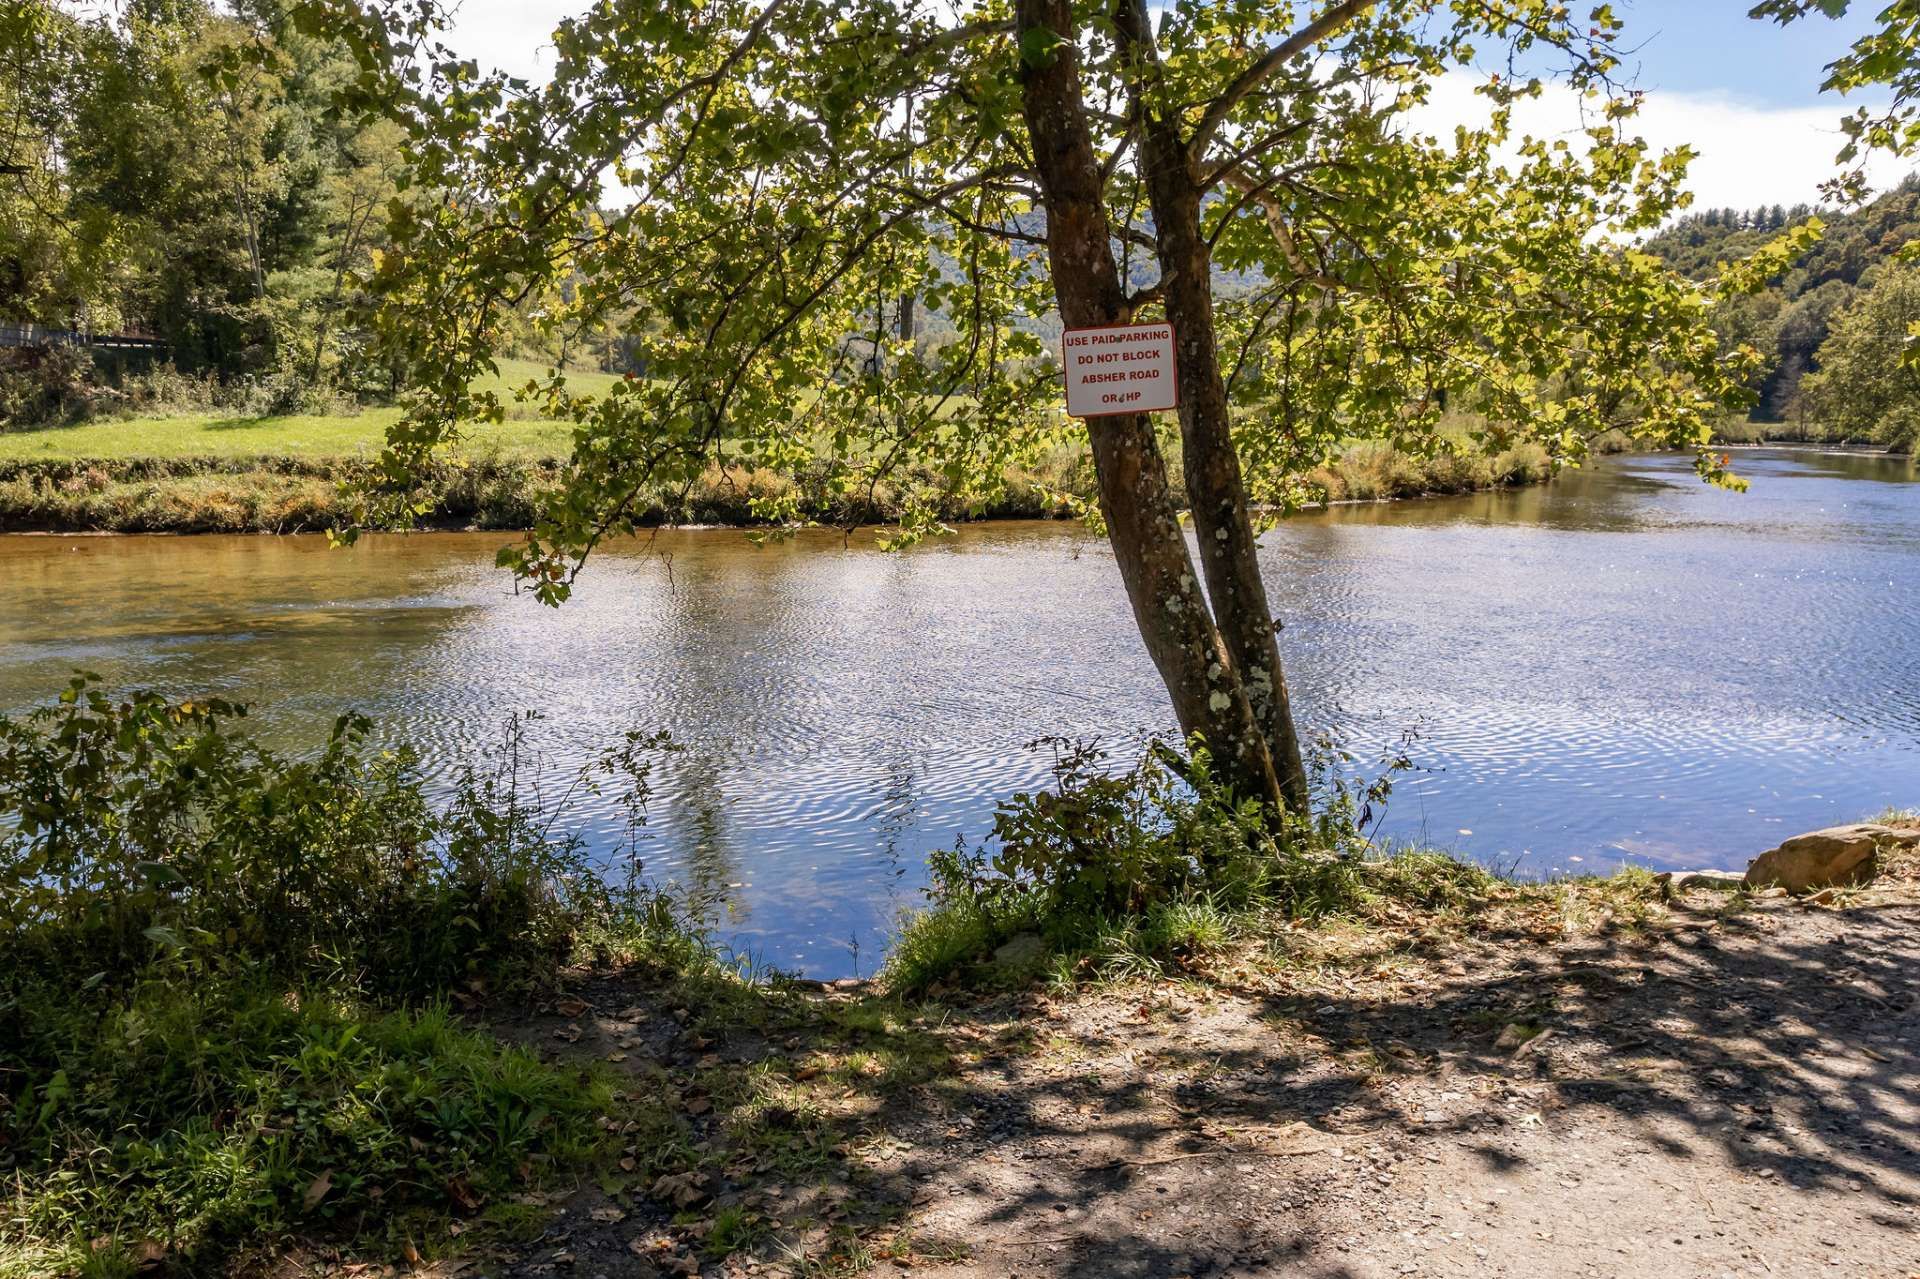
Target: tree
<point x="753" y="184"/>
<point x="1868" y="386"/>
<point x="59" y="264"/>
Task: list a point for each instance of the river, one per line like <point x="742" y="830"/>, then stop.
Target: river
<point x="1624" y="666"/>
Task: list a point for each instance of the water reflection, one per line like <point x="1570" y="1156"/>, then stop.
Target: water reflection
<point x="1737" y="667"/>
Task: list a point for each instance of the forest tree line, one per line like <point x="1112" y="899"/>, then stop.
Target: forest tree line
<point x="179" y="171"/>
<point x="158" y="185"/>
<point x="1834" y="328"/>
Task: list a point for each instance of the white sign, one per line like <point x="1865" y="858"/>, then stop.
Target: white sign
<point x="1123" y="368"/>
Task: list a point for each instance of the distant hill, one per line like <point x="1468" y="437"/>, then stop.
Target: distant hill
<point x="1790" y="320"/>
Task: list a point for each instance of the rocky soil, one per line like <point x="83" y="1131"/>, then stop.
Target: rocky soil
<point x="1714" y="1086"/>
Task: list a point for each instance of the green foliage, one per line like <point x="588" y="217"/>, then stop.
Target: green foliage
<point x="1868" y="386"/>
<point x="1120" y="868"/>
<point x="1795" y="283"/>
<point x="185" y="1120"/>
<point x="1097" y="851"/>
<point x="1103" y="843"/>
<point x="177" y="169"/>
<point x="146" y="831"/>
<point x="1889" y="56"/>
<point x="200" y="943"/>
<point x="1120" y="874"/>
<point x="798" y="171"/>
<point x="53" y="385"/>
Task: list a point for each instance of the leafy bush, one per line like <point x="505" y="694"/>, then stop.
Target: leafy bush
<point x="146" y="830"/>
<point x="1139" y="854"/>
<point x="1103" y="843"/>
<point x="207" y="954"/>
<point x="45" y="385"/>
<point x="1120" y="871"/>
<point x="188" y="1119"/>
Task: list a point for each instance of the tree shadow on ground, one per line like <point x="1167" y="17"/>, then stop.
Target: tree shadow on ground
<point x="1260" y="1130"/>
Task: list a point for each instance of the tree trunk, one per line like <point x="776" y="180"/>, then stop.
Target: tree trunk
<point x="1142" y="524"/>
<point x="1216" y="495"/>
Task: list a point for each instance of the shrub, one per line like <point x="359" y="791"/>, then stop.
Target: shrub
<point x="188" y="1118"/>
<point x="1085" y="861"/>
<point x="41" y="385"/>
<point x="221" y="973"/>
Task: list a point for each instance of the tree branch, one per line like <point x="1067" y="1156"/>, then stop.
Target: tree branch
<point x="1260" y="193"/>
<point x="1336" y="17"/>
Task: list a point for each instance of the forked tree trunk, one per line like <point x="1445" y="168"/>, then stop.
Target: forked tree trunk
<point x="1200" y="673"/>
<point x="1216" y="495"/>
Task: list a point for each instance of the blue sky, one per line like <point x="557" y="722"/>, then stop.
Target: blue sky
<point x="1707" y="46"/>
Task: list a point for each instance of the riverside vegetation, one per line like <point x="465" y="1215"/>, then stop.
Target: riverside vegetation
<point x="254" y="1007"/>
<point x="206" y="471"/>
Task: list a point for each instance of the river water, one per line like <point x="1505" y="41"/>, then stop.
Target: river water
<point x="1622" y="666"/>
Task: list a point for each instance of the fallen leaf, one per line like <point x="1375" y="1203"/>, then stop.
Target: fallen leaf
<point x="462" y="1194"/>
<point x="317" y="1189"/>
<point x="684" y="1189"/>
<point x="608" y="1214"/>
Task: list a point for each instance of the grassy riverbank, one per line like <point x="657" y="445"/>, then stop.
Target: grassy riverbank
<point x="259" y="1014"/>
<point x="1796" y="433"/>
<point x="207" y="474"/>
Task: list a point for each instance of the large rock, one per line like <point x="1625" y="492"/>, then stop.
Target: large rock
<point x="1820" y="859"/>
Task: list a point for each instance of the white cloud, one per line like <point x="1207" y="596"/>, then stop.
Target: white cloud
<point x="1747" y="155"/>
<point x="515" y="36"/>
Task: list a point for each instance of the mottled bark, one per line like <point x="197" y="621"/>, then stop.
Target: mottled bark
<point x="1142" y="524"/>
<point x="1216" y="494"/>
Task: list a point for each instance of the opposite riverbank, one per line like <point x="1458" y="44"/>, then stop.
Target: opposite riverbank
<point x="245" y="475"/>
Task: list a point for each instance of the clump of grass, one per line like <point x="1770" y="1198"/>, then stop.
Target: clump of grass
<point x="189" y="1119"/>
<point x="1201" y="875"/>
<point x="1373" y="470"/>
<point x="1144" y="863"/>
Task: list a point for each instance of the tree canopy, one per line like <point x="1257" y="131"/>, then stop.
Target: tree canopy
<point x="762" y="192"/>
<point x="1868" y="386"/>
<point x="180" y="170"/>
<point x="752" y="189"/>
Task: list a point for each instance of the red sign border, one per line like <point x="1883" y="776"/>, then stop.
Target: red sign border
<point x="1102" y="328"/>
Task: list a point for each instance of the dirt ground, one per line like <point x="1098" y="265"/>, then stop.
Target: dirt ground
<point x="1711" y="1092"/>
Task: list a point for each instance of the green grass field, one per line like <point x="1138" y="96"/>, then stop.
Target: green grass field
<point x="224" y="435"/>
<point x="213" y="472"/>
